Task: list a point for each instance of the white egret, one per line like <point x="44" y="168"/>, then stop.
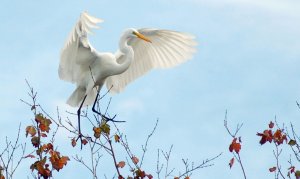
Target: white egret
<point x="140" y="50"/>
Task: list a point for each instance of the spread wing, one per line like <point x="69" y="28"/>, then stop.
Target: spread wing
<point x="78" y="54"/>
<point x="168" y="49"/>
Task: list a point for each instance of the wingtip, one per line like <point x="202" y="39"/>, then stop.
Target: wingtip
<point x="85" y="14"/>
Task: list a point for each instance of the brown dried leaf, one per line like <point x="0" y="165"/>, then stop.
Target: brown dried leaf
<point x="35" y="141"/>
<point x="30" y="130"/>
<point x="117" y="138"/>
<point x="292" y="142"/>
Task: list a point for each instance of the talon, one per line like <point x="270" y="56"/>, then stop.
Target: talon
<point x="79" y="137"/>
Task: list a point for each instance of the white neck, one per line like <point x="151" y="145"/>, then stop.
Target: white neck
<point x="127" y="55"/>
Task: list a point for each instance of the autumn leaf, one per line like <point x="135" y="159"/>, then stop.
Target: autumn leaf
<point x="231" y="162"/>
<point x="2" y="177"/>
<point x="43" y="135"/>
<point x="47" y="147"/>
<point x="35" y="141"/>
<point x="272" y="169"/>
<point x="266" y="136"/>
<point x="187" y="177"/>
<point x="135" y="160"/>
<point x="105" y="128"/>
<point x="149" y="176"/>
<point x="176" y="177"/>
<point x="292" y="142"/>
<point x="73" y="142"/>
<point x="42" y="168"/>
<point x="279" y="137"/>
<point x="271" y="125"/>
<point x="292" y="169"/>
<point x="57" y="161"/>
<point x="140" y="173"/>
<point x="121" y="164"/>
<point x="84" y="141"/>
<point x="44" y="123"/>
<point x="97" y="132"/>
<point x="29" y="156"/>
<point x="117" y="138"/>
<point x="30" y="130"/>
<point x="234" y="146"/>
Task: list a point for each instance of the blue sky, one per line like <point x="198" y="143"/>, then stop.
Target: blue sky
<point x="247" y="63"/>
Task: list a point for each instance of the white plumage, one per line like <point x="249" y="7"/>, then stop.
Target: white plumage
<point x="140" y="51"/>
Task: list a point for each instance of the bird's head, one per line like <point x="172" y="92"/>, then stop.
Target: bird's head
<point x="136" y="34"/>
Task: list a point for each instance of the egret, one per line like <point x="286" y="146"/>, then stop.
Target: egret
<point x="140" y="50"/>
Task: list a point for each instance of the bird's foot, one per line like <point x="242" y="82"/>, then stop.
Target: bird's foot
<point x="80" y="136"/>
<point x="107" y="119"/>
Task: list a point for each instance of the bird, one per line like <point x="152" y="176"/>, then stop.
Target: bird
<point x="140" y="50"/>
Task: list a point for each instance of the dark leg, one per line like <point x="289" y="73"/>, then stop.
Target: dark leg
<point x="99" y="113"/>
<point x="78" y="114"/>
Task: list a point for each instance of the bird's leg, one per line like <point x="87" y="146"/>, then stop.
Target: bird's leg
<point x="99" y="113"/>
<point x="78" y="115"/>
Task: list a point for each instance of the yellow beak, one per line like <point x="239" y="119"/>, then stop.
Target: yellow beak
<point x="141" y="36"/>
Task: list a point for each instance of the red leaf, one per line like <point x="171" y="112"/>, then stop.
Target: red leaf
<point x="135" y="160"/>
<point x="279" y="137"/>
<point x="271" y="125"/>
<point x="234" y="146"/>
<point x="231" y="162"/>
<point x="73" y="142"/>
<point x="84" y="141"/>
<point x="57" y="161"/>
<point x="42" y="168"/>
<point x="292" y="169"/>
<point x="121" y="164"/>
<point x="265" y="136"/>
<point x="272" y="169"/>
<point x="140" y="173"/>
<point x="149" y="176"/>
<point x="30" y="156"/>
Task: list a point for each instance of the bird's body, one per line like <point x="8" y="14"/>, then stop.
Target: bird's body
<point x="81" y="64"/>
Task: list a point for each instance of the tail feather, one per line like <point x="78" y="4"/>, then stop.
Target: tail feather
<point x="77" y="96"/>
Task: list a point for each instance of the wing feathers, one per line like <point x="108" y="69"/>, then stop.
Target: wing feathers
<point x="78" y="54"/>
<point x="168" y="49"/>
